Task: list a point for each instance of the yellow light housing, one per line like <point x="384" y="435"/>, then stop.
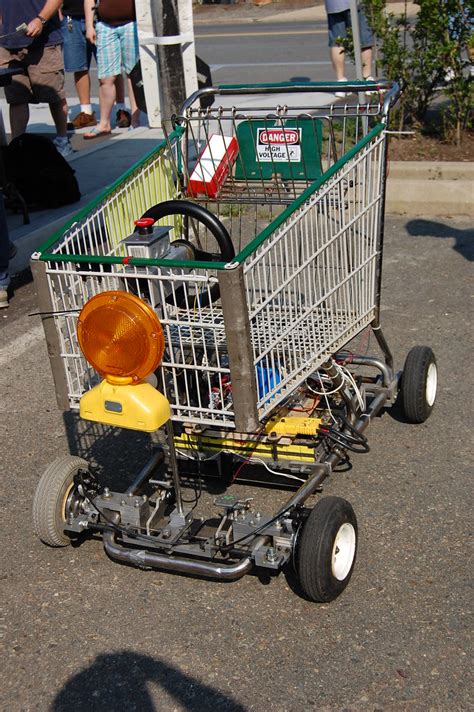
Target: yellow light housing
<point x="120" y="336"/>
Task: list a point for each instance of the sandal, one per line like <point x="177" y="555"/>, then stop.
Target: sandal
<point x="96" y="133"/>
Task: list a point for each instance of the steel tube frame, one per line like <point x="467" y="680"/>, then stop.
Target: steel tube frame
<point x="144" y="558"/>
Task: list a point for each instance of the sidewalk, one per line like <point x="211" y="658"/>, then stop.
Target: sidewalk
<point x="96" y="168"/>
<point x="278" y="12"/>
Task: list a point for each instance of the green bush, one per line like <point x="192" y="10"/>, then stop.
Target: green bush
<point x="420" y="52"/>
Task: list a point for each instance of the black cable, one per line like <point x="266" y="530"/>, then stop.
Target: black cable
<point x="339" y="438"/>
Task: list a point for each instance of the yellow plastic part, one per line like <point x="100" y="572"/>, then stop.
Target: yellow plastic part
<point x="292" y="426"/>
<point x="250" y="448"/>
<point x="137" y="407"/>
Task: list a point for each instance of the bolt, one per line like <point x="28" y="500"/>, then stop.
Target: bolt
<point x="144" y="497"/>
<point x="123" y="503"/>
<point x="271" y="555"/>
<point x="166" y="534"/>
<point x="258" y="515"/>
<point x="251" y="522"/>
<point x="130" y="494"/>
<point x="136" y="504"/>
<point x="106" y="493"/>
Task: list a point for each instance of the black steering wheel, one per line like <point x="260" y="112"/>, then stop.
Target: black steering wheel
<point x="225" y="252"/>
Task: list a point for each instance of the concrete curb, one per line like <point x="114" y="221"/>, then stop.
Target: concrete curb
<point x="430" y="188"/>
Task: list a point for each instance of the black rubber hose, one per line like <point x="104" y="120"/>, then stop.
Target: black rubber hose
<point x="202" y="215"/>
<point x="215" y="227"/>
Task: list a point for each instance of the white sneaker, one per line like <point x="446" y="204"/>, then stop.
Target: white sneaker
<point x="341" y="94"/>
<point x="371" y="92"/>
<point x="63" y="146"/>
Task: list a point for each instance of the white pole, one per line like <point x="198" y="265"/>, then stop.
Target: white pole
<point x="186" y="28"/>
<point x="149" y="61"/>
<point x="149" y="40"/>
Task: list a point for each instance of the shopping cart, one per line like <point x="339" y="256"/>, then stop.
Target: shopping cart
<point x="216" y="294"/>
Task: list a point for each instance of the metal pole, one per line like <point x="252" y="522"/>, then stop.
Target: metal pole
<point x="356" y="39"/>
<point x="174" y="466"/>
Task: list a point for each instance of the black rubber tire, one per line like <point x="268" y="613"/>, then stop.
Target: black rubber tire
<point x="415" y="401"/>
<point x="49" y="514"/>
<point x="315" y="548"/>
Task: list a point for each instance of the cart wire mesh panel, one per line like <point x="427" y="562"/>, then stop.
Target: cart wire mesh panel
<point x="305" y="219"/>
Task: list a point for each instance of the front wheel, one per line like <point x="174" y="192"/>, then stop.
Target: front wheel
<point x="56" y="495"/>
<point x="418" y="384"/>
<point x="326" y="549"/>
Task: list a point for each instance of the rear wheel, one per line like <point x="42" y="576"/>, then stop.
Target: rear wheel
<point x="418" y="384"/>
<point x="327" y="549"/>
<point x="56" y="495"/>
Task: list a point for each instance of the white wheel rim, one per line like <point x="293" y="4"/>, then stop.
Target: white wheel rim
<point x="431" y="384"/>
<point x="343" y="551"/>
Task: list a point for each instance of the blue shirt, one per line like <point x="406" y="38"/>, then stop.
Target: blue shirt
<point x="14" y="12"/>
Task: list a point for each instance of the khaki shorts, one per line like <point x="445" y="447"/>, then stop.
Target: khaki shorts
<point x="43" y="80"/>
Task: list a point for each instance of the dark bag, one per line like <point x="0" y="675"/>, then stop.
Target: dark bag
<point x="40" y="174"/>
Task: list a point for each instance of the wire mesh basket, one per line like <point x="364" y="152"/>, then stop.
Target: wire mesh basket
<point x="298" y="185"/>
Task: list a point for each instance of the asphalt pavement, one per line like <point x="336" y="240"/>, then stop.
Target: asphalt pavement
<point x="84" y="633"/>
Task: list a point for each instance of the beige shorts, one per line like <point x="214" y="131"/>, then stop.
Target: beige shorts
<point x="43" y="80"/>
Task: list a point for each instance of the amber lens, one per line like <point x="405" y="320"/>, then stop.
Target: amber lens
<point x="120" y="336"/>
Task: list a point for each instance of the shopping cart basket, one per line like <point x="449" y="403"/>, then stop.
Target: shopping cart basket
<point x="215" y="291"/>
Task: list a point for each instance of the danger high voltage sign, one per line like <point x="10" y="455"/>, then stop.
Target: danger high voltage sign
<point x="278" y="144"/>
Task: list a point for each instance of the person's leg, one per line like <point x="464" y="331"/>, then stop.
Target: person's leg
<point x="5" y="247"/>
<point x="78" y="52"/>
<point x="19" y="117"/>
<point x="366" y="55"/>
<point x="108" y="66"/>
<point x="366" y="42"/>
<point x="82" y="83"/>
<point x="133" y="104"/>
<point x="130" y="56"/>
<point x="107" y="99"/>
<point x="120" y="90"/>
<point x="59" y="111"/>
<point x="337" y="61"/>
<point x="122" y="117"/>
<point x="337" y="30"/>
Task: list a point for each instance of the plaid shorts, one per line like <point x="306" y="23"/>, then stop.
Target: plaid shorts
<point x="117" y="49"/>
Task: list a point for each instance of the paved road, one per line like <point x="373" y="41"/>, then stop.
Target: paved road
<point x="83" y="633"/>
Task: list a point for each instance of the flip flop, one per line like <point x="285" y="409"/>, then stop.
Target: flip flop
<point x="96" y="133"/>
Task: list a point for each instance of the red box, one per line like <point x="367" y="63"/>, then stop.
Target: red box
<point x="213" y="166"/>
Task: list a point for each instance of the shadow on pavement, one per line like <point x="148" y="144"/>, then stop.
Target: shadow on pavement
<point x="429" y="228"/>
<point x="120" y="681"/>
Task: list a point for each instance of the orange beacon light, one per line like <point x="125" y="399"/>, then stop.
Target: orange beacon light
<point x="122" y="338"/>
